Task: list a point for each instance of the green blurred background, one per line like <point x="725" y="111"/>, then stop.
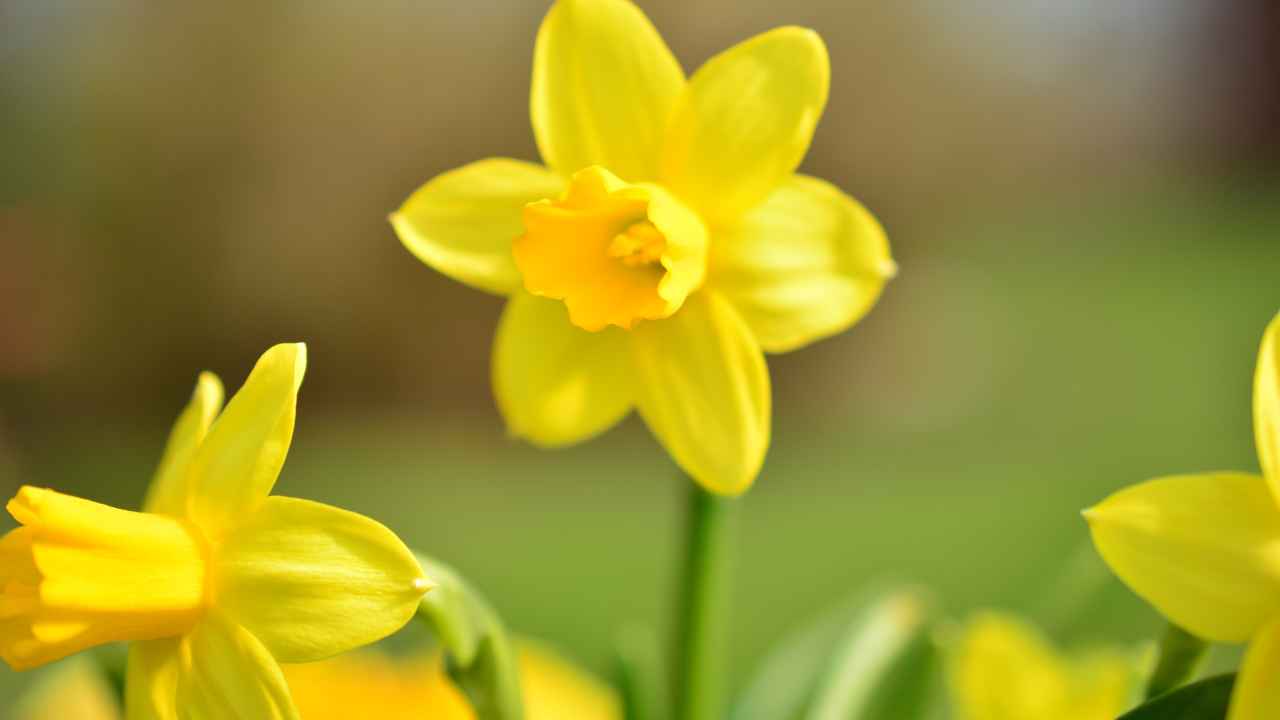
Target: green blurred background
<point x="1084" y="199"/>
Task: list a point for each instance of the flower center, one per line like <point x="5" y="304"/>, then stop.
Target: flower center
<point x="614" y="252"/>
<point x="78" y="574"/>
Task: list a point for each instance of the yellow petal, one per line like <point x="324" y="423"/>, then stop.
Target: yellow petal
<point x="310" y="580"/>
<point x="1203" y="549"/>
<point x="168" y="492"/>
<point x="555" y="383"/>
<point x="151" y="680"/>
<point x="1266" y="406"/>
<point x="1257" y="692"/>
<point x="1004" y="669"/>
<point x="555" y="688"/>
<point x="604" y="85"/>
<point x="745" y="120"/>
<point x="703" y="388"/>
<point x="225" y="673"/>
<point x="462" y="222"/>
<point x="805" y="265"/>
<point x="238" y="463"/>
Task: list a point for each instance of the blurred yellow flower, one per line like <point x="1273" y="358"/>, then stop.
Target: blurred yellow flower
<point x="1205" y="549"/>
<point x="664" y="246"/>
<point x="216" y="581"/>
<point x="368" y="684"/>
<point x="1003" y="669"/>
<point x="363" y="684"/>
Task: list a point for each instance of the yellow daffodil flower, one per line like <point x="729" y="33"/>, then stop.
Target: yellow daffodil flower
<point x="1004" y="669"/>
<point x="1205" y="549"/>
<point x="367" y="684"/>
<point x="666" y="243"/>
<point x="216" y="581"/>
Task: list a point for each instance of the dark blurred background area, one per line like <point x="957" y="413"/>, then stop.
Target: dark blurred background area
<point x="1084" y="198"/>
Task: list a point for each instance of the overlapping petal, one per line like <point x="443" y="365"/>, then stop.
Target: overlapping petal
<point x="310" y="580"/>
<point x="238" y="463"/>
<point x="462" y="223"/>
<point x="703" y="389"/>
<point x="1266" y="406"/>
<point x="806" y="264"/>
<point x="167" y="494"/>
<point x="225" y="673"/>
<point x="745" y="121"/>
<point x="151" y="680"/>
<point x="1203" y="549"/>
<point x="1257" y="692"/>
<point x="604" y="85"/>
<point x="555" y="383"/>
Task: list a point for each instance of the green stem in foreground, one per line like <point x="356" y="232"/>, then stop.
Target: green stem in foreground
<point x="1180" y="656"/>
<point x="703" y="621"/>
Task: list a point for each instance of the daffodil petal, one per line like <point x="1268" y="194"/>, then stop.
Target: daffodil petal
<point x="225" y="673"/>
<point x="745" y="121"/>
<point x="703" y="389"/>
<point x="555" y="383"/>
<point x="1201" y="548"/>
<point x="1266" y="406"/>
<point x="1257" y="692"/>
<point x="310" y="580"/>
<point x="168" y="492"/>
<point x="462" y="223"/>
<point x="238" y="463"/>
<point x="604" y="85"/>
<point x="151" y="680"/>
<point x="805" y="265"/>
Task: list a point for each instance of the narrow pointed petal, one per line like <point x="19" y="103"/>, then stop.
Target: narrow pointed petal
<point x="703" y="389"/>
<point x="1203" y="549"/>
<point x="225" y="673"/>
<point x="604" y="85"/>
<point x="151" y="680"/>
<point x="745" y="120"/>
<point x="310" y="580"/>
<point x="807" y="264"/>
<point x="1257" y="692"/>
<point x="462" y="223"/>
<point x="555" y="383"/>
<point x="1266" y="406"/>
<point x="238" y="463"/>
<point x="168" y="492"/>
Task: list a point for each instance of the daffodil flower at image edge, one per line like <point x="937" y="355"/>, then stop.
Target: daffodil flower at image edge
<point x="1205" y="549"/>
<point x="666" y="244"/>
<point x="216" y="582"/>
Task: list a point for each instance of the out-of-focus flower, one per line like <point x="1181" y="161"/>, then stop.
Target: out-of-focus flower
<point x="1003" y="669"/>
<point x="1205" y="549"/>
<point x="363" y="684"/>
<point x="368" y="684"/>
<point x="216" y="581"/>
<point x="666" y="243"/>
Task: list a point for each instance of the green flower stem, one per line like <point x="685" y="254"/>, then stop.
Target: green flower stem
<point x="703" y="620"/>
<point x="1180" y="656"/>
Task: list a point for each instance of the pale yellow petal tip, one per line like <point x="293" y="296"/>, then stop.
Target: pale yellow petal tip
<point x="422" y="586"/>
<point x="887" y="268"/>
<point x="1090" y="514"/>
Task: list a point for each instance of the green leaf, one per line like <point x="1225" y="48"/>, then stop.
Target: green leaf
<point x="639" y="674"/>
<point x="478" y="653"/>
<point x="1204" y="700"/>
<point x="871" y="659"/>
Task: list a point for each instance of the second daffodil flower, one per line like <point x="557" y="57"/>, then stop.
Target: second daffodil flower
<point x="216" y="582"/>
<point x="1205" y="549"/>
<point x="666" y="243"/>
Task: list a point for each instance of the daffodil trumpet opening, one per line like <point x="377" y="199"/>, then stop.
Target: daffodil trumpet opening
<point x="1202" y="548"/>
<point x="216" y="582"/>
<point x="664" y="245"/>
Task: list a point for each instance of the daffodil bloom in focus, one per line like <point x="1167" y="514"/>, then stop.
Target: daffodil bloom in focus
<point x="665" y="245"/>
<point x="1205" y="549"/>
<point x="216" y="582"/>
<point x="1003" y="669"/>
<point x="369" y="684"/>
